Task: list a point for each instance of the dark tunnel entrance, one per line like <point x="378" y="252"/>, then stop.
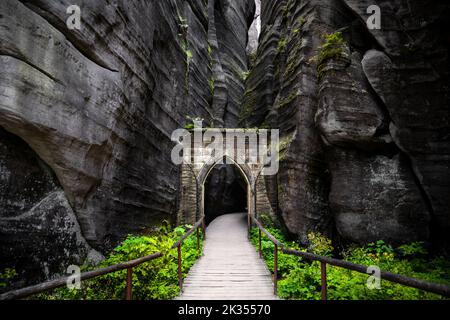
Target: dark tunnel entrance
<point x="225" y="191"/>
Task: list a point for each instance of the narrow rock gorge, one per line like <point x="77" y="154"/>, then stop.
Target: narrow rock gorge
<point x="86" y="118"/>
<point x="98" y="105"/>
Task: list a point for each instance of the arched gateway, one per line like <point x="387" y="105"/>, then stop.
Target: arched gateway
<point x="200" y="158"/>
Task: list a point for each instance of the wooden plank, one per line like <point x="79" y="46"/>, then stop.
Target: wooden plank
<point x="230" y="267"/>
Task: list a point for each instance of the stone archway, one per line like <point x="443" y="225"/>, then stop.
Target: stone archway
<point x="194" y="175"/>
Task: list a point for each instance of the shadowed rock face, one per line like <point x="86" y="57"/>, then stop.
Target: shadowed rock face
<point x="364" y="133"/>
<point x="38" y="227"/>
<point x="98" y="105"/>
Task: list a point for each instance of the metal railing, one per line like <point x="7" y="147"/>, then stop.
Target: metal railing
<point x="129" y="265"/>
<point x="324" y="261"/>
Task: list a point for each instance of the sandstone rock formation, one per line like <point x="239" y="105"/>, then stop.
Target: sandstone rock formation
<point x="98" y="106"/>
<point x="365" y="131"/>
<point x="86" y="117"/>
<point x="38" y="227"/>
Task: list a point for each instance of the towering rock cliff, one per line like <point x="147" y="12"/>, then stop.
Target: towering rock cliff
<point x="364" y="116"/>
<point x="86" y="117"/>
<point x="91" y="112"/>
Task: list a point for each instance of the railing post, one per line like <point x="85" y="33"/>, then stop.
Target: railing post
<point x="323" y="278"/>
<point x="204" y="228"/>
<point x="275" y="269"/>
<point x="129" y="287"/>
<point x="259" y="238"/>
<point x="180" y="274"/>
<point x="198" y="241"/>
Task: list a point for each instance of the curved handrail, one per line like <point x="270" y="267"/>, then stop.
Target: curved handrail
<point x="178" y="244"/>
<point x="267" y="233"/>
<point x="129" y="265"/>
<point x="389" y="276"/>
<point x="190" y="231"/>
<point x="57" y="283"/>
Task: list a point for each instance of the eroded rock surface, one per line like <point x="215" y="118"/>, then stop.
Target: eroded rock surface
<point x="40" y="235"/>
<point x="364" y="132"/>
<point x="98" y="105"/>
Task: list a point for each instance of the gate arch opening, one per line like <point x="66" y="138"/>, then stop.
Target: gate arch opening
<point x="199" y="161"/>
<point x="225" y="192"/>
<point x="234" y="196"/>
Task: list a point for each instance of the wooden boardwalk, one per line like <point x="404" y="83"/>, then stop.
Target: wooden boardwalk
<point x="230" y="268"/>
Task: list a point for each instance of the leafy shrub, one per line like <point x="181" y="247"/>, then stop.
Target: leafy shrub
<point x="413" y="249"/>
<point x="319" y="244"/>
<point x="156" y="279"/>
<point x="300" y="279"/>
<point x="332" y="47"/>
<point x="6" y="276"/>
<point x="285" y="262"/>
<point x="282" y="44"/>
<point x="211" y="84"/>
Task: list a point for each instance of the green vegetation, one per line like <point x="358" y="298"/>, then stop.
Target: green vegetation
<point x="253" y="57"/>
<point x="209" y="51"/>
<point x="282" y="45"/>
<point x="283" y="146"/>
<point x="300" y="23"/>
<point x="249" y="103"/>
<point x="334" y="46"/>
<point x="287" y="11"/>
<point x="182" y="23"/>
<point x="295" y="56"/>
<point x="300" y="279"/>
<point x="294" y="59"/>
<point x="210" y="57"/>
<point x="288" y="100"/>
<point x="244" y="75"/>
<point x="6" y="276"/>
<point x="156" y="279"/>
<point x="189" y="56"/>
<point x="192" y="125"/>
<point x="211" y="84"/>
